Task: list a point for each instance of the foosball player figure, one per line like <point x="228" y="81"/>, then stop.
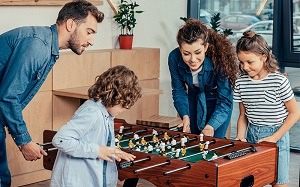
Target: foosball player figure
<point x="154" y="132"/>
<point x="214" y="157"/>
<point x="150" y="148"/>
<point x="164" y="154"/>
<point x="173" y="144"/>
<point x="136" y="136"/>
<point x="166" y="136"/>
<point x="168" y="144"/>
<point x="162" y="146"/>
<point x="120" y="134"/>
<point x="143" y="141"/>
<point x="155" y="138"/>
<point x="183" y="150"/>
<point x="117" y="143"/>
<point x="182" y="142"/>
<point x="205" y="150"/>
<point x="131" y="144"/>
<point x="138" y="148"/>
<point x="185" y="139"/>
<point x="201" y="144"/>
<point x="177" y="154"/>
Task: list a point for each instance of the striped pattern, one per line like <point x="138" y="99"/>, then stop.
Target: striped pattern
<point x="264" y="99"/>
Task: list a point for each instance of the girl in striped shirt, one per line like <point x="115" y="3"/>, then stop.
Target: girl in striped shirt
<point x="267" y="105"/>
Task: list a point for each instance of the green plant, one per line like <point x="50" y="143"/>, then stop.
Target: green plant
<point x="126" y="16"/>
<point x="215" y="24"/>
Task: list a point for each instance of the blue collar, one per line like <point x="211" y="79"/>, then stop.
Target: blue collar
<point x="54" y="45"/>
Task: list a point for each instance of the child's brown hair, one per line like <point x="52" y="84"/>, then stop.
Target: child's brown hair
<point x="254" y="43"/>
<point x="117" y="85"/>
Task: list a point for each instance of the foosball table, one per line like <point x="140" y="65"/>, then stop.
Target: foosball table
<point x="174" y="158"/>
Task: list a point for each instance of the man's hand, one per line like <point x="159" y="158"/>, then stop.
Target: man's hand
<point x="107" y="153"/>
<point x="185" y="124"/>
<point x="32" y="151"/>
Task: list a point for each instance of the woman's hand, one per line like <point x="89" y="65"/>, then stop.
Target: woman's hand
<point x="108" y="153"/>
<point x="208" y="130"/>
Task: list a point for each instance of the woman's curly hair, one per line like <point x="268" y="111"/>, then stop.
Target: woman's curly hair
<point x="220" y="49"/>
<point x="117" y="85"/>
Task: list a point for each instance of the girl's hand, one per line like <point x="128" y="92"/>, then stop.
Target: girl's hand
<point x="242" y="139"/>
<point x="208" y="130"/>
<point x="109" y="153"/>
<point x="268" y="139"/>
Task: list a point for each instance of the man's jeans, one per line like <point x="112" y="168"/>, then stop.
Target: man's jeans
<point x="5" y="178"/>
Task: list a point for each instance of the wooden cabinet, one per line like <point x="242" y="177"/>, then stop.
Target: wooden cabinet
<point x="38" y="117"/>
<point x="64" y="91"/>
<point x="67" y="95"/>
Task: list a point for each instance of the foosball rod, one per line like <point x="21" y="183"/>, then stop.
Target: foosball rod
<point x="193" y="146"/>
<point x="201" y="152"/>
<point x="131" y="163"/>
<point x="245" y="150"/>
<point x="176" y="128"/>
<point x="188" y="166"/>
<point x="125" y="128"/>
<point x="47" y="149"/>
<point x="167" y="162"/>
<point x="138" y="131"/>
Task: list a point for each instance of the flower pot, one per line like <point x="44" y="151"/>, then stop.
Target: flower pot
<point x="125" y="41"/>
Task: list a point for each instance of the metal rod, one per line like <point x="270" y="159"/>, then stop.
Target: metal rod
<point x="167" y="162"/>
<point x="188" y="166"/>
<point x="138" y="131"/>
<point x="50" y="149"/>
<point x="125" y="128"/>
<point x="196" y="145"/>
<point x="201" y="152"/>
<point x="141" y="160"/>
<point x="43" y="144"/>
<point x="227" y="145"/>
<point x="245" y="149"/>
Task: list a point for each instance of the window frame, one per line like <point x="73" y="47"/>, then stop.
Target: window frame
<point x="283" y="35"/>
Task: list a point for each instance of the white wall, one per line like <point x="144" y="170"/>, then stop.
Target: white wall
<point x="156" y="27"/>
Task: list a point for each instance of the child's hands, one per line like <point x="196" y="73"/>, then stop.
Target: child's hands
<point x="268" y="139"/>
<point x="107" y="153"/>
<point x="242" y="139"/>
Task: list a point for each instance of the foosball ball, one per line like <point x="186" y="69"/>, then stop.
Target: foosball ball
<point x="173" y="158"/>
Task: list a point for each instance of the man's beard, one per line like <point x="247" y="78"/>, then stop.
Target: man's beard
<point x="74" y="43"/>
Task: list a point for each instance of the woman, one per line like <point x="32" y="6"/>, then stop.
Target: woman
<point x="203" y="70"/>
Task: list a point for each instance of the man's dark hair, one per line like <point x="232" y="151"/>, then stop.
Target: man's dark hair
<point x="78" y="10"/>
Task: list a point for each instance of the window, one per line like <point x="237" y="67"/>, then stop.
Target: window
<point x="285" y="28"/>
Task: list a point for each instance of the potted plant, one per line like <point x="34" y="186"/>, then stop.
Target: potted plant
<point x="125" y="17"/>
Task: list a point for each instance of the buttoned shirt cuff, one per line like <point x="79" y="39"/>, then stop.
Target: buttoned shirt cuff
<point x="22" y="139"/>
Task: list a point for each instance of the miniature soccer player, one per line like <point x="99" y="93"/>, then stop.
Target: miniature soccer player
<point x="201" y="144"/>
<point x="131" y="144"/>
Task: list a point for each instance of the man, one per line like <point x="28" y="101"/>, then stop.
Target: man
<point x="27" y="54"/>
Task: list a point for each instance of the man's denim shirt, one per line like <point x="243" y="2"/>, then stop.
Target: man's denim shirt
<point x="213" y="90"/>
<point x="27" y="55"/>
